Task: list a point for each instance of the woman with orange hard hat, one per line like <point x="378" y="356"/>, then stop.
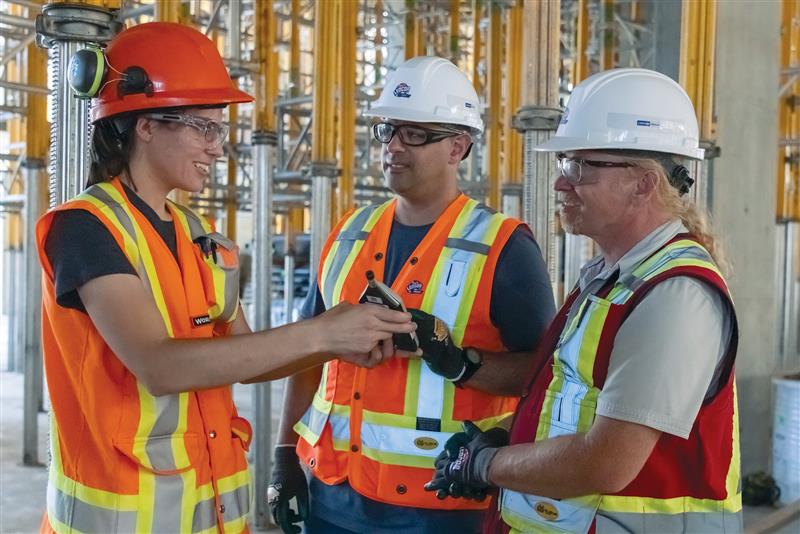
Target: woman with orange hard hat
<point x="142" y="327"/>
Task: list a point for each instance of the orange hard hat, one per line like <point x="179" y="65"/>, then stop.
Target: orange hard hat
<point x="163" y="65"/>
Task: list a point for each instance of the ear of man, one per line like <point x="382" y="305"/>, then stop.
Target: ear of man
<point x="459" y="147"/>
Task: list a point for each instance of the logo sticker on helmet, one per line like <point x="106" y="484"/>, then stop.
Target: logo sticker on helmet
<point x="468" y="105"/>
<point x="414" y="287"/>
<point x="402" y="90"/>
<point x="565" y="116"/>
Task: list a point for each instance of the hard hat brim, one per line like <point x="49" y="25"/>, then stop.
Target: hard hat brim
<point x="569" y="144"/>
<point x="140" y="102"/>
<point x="412" y="115"/>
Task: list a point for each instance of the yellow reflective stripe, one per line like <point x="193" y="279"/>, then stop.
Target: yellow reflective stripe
<point x="234" y="481"/>
<point x="463" y="217"/>
<point x="58" y="526"/>
<point x="351" y="258"/>
<point x="406" y="421"/>
<point x="394" y="458"/>
<point x="129" y="245"/>
<point x="590" y="342"/>
<point x="675" y="505"/>
<point x="733" y="478"/>
<point x="412" y="386"/>
<point x="473" y="279"/>
<point x="146" y="257"/>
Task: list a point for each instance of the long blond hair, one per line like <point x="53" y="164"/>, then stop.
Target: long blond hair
<point x="695" y="218"/>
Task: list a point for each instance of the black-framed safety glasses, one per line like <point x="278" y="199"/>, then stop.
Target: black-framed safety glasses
<point x="215" y="133"/>
<point x="410" y="134"/>
<point x="572" y="168"/>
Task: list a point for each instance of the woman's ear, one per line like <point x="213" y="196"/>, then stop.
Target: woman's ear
<point x="646" y="185"/>
<point x="144" y="128"/>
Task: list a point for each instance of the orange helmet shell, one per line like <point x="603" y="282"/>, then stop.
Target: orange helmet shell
<point x="183" y="65"/>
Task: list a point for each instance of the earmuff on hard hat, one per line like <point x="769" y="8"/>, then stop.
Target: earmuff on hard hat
<point x="88" y="69"/>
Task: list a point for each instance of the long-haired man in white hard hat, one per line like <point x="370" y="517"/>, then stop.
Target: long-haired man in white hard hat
<point x="630" y="425"/>
<point x="369" y="438"/>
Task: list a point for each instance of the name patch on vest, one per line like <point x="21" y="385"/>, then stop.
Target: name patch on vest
<point x="202" y="320"/>
<point x="425" y="443"/>
<point x="546" y="510"/>
<point x="428" y="424"/>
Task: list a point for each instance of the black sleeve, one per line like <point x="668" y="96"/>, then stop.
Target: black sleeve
<point x="80" y="248"/>
<point x="522" y="298"/>
<point x="314" y="304"/>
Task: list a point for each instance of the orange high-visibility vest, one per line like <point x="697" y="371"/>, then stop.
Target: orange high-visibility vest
<point x="123" y="460"/>
<point x="382" y="428"/>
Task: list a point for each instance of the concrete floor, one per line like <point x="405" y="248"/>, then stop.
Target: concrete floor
<point x="22" y="488"/>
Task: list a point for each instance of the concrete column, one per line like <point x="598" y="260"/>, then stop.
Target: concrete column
<point x="748" y="55"/>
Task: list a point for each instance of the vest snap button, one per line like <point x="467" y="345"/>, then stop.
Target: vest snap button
<point x="222" y="508"/>
<point x="354" y="448"/>
<point x="356" y="395"/>
<point x="414" y="260"/>
<point x="312" y="463"/>
<point x="379" y="256"/>
<point x="401" y="489"/>
<point x="212" y="434"/>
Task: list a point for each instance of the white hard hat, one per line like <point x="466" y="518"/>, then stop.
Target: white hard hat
<point x="632" y="109"/>
<point x="429" y="89"/>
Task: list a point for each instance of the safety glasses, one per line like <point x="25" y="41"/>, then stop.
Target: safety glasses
<point x="410" y="134"/>
<point x="213" y="132"/>
<point x="573" y="168"/>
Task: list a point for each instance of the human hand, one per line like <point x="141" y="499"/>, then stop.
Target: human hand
<point x="361" y="333"/>
<point x="461" y="469"/>
<point x="438" y="350"/>
<point x="288" y="482"/>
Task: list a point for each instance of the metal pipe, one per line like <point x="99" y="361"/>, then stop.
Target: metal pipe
<point x="32" y="389"/>
<point x="13" y="86"/>
<point x="31" y="4"/>
<point x="288" y="284"/>
<point x="263" y="164"/>
<point x="16" y="22"/>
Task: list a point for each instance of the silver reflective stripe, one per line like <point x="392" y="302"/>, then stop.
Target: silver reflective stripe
<point x="167" y="494"/>
<point x="430" y="402"/>
<point x="705" y="522"/>
<point x="167" y="418"/>
<point x="398" y="440"/>
<point x="468" y="246"/>
<point x="236" y="502"/>
<point x="520" y="511"/>
<point x="195" y="225"/>
<point x="205" y="515"/>
<point x="634" y="280"/>
<point x="340" y="427"/>
<point x="347" y="240"/>
<point x="314" y="420"/>
<point x="84" y="517"/>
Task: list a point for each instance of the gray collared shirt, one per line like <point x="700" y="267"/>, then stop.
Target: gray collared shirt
<point x="667" y="354"/>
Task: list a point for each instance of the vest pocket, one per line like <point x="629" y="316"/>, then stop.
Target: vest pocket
<point x="163" y="455"/>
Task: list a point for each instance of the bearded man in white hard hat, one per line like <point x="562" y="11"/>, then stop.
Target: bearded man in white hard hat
<point x="369" y="438"/>
<point x="631" y="424"/>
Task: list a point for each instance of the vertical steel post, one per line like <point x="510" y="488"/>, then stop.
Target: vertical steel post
<point x="263" y="159"/>
<point x="32" y="386"/>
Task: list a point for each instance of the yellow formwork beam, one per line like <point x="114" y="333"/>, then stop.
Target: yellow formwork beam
<point x="477" y="43"/>
<point x="580" y="69"/>
<point x="108" y="4"/>
<point x="294" y="47"/>
<point x="494" y="130"/>
<point x="378" y="41"/>
<point x="348" y="15"/>
<point x="454" y="29"/>
<point x="541" y="49"/>
<point x="788" y="201"/>
<point x="607" y="58"/>
<point x="266" y="80"/>
<point x="698" y="35"/>
<point x="415" y="36"/>
<point x="512" y="140"/>
<point x="171" y="11"/>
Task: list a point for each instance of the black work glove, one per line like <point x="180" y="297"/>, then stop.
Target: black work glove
<point x="288" y="482"/>
<point x="438" y="350"/>
<point x="462" y="468"/>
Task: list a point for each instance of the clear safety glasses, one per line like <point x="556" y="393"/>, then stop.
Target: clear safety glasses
<point x="410" y="134"/>
<point x="572" y="168"/>
<point x="213" y="132"/>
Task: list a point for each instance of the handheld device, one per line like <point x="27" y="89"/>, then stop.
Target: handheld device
<point x="379" y="293"/>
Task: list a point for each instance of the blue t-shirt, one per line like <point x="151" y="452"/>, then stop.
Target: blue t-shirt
<point x="521" y="308"/>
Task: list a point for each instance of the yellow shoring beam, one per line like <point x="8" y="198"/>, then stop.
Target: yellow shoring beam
<point x="454" y="27"/>
<point x="378" y="41"/>
<point x="477" y="44"/>
<point x="294" y="48"/>
<point x="347" y="109"/>
<point x="266" y="81"/>
<point x="788" y="179"/>
<point x="323" y="129"/>
<point x="37" y="131"/>
<point x="580" y="69"/>
<point x="169" y="11"/>
<point x="108" y="4"/>
<point x="698" y="30"/>
<point x="541" y="49"/>
<point x="494" y="132"/>
<point x="512" y="140"/>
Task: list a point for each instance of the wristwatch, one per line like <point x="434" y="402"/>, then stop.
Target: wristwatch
<point x="473" y="360"/>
